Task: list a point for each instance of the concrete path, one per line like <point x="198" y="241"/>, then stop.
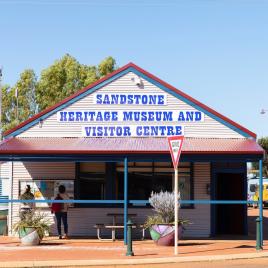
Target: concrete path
<point x="89" y="252"/>
<point x="130" y="261"/>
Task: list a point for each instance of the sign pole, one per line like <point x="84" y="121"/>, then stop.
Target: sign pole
<point x="176" y="211"/>
<point x="175" y="146"/>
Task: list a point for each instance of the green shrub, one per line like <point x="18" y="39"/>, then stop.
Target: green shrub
<point x="35" y="219"/>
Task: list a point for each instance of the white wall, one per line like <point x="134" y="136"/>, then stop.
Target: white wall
<point x="29" y="171"/>
<point x="52" y="128"/>
<point x="82" y="220"/>
<point x="5" y="177"/>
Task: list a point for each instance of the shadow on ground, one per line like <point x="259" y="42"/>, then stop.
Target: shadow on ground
<point x="252" y="216"/>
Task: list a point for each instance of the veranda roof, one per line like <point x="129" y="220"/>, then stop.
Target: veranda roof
<point x="58" y="145"/>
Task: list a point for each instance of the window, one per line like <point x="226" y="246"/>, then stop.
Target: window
<point x="90" y="182"/>
<point x="100" y="181"/>
<point x="4" y="186"/>
<point x="252" y="187"/>
<point x="185" y="187"/>
<point x="143" y="178"/>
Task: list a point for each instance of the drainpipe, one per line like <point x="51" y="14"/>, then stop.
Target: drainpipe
<point x="125" y="199"/>
<point x="261" y="201"/>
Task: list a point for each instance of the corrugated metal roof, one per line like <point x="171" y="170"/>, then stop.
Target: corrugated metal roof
<point x="126" y="145"/>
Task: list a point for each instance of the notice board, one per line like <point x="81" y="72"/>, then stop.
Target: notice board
<point x="47" y="189"/>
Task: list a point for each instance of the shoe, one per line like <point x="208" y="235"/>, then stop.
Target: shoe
<point x="60" y="237"/>
<point x="65" y="237"/>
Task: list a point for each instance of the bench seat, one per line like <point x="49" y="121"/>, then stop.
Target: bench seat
<point x="100" y="226"/>
<point x="118" y="226"/>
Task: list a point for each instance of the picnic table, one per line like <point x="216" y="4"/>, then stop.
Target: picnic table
<point x="114" y="226"/>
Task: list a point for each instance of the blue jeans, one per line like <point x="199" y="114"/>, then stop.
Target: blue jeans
<point x="62" y="216"/>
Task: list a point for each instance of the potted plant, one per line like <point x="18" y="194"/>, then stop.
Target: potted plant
<point x="161" y="224"/>
<point x="31" y="227"/>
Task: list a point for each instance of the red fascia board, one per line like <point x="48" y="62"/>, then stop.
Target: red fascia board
<point x="56" y="152"/>
<point x="177" y="91"/>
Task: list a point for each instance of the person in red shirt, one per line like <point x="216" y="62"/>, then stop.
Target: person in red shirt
<point x="60" y="210"/>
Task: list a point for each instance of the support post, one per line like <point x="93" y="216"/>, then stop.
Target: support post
<point x="125" y="198"/>
<point x="258" y="238"/>
<point x="261" y="201"/>
<point x="176" y="211"/>
<point x="129" y="239"/>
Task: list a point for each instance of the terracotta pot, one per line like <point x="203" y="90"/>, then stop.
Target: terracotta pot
<point x="164" y="234"/>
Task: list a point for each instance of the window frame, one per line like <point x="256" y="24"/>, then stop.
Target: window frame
<point x="77" y="187"/>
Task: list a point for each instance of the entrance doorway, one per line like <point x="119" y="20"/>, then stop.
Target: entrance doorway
<point x="230" y="218"/>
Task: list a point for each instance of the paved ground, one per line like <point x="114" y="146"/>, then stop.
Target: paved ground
<point x="81" y="251"/>
<point x="245" y="263"/>
<point x="84" y="249"/>
<point x="252" y="214"/>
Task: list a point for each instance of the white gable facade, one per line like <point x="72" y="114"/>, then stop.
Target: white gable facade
<point x="146" y="114"/>
<point x="129" y="104"/>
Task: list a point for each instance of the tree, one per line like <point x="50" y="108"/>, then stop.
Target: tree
<point x="19" y="107"/>
<point x="60" y="80"/>
<point x="66" y="76"/>
<point x="7" y="108"/>
<point x="26" y="87"/>
<point x="106" y="66"/>
<point x="263" y="142"/>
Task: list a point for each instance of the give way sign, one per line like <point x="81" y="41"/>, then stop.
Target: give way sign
<point x="175" y="145"/>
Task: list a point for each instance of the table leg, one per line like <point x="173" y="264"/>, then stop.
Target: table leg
<point x="113" y="230"/>
<point x="113" y="234"/>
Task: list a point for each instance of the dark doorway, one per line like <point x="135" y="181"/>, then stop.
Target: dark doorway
<point x="230" y="218"/>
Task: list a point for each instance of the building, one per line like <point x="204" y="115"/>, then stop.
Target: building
<point x="115" y="130"/>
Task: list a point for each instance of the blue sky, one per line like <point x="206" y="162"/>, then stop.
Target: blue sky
<point x="214" y="50"/>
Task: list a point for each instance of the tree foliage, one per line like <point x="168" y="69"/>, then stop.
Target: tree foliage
<point x="7" y="107"/>
<point x="26" y="90"/>
<point x="263" y="142"/>
<point x="106" y="66"/>
<point x="66" y="76"/>
<point x="60" y="80"/>
<point x="16" y="110"/>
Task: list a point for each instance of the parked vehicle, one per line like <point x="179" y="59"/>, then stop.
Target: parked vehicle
<point x="264" y="194"/>
<point x="253" y="189"/>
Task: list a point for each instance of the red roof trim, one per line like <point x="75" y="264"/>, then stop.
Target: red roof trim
<point x="150" y="76"/>
<point x="57" y="152"/>
<point x="81" y="146"/>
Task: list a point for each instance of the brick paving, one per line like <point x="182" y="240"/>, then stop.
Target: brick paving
<point x="84" y="249"/>
<point x="92" y="249"/>
<point x="252" y="214"/>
